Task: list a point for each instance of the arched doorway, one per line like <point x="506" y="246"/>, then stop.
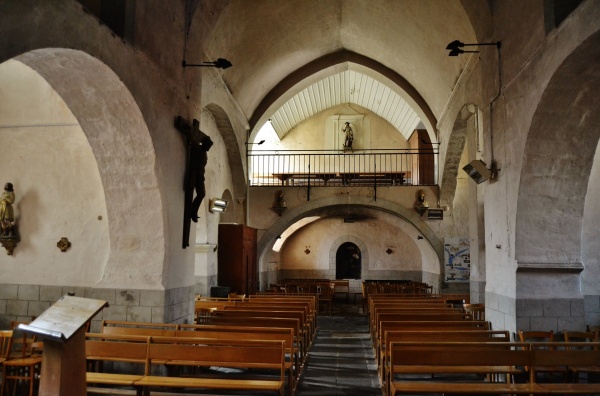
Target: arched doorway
<point x="348" y="261"/>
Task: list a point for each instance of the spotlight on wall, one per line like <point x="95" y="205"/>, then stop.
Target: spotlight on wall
<point x="456" y="45"/>
<point x="219" y="64"/>
<point x="218" y="205"/>
<point x="478" y="171"/>
<point x="258" y="144"/>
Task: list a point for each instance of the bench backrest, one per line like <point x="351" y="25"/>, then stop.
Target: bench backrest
<point x="233" y="353"/>
<point x="460" y="354"/>
<point x="291" y="323"/>
<point x="140" y="331"/>
<point x="557" y="354"/>
<point x="132" y="351"/>
<point x="242" y="333"/>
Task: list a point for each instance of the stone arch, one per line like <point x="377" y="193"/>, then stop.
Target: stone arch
<point x="355" y="240"/>
<point x="558" y="158"/>
<point x="281" y="90"/>
<point x="234" y="158"/>
<point x="122" y="146"/>
<point x="454" y="151"/>
<point x="314" y="207"/>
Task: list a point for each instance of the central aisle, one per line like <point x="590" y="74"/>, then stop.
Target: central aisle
<point x="341" y="360"/>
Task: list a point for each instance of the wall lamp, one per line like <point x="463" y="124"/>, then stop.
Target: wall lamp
<point x="455" y="47"/>
<point x="259" y="143"/>
<point x="218" y="205"/>
<point x="219" y="64"/>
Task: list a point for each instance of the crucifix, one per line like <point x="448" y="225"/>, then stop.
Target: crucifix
<point x="198" y="144"/>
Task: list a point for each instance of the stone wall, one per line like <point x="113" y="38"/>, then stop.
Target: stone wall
<point x="22" y="302"/>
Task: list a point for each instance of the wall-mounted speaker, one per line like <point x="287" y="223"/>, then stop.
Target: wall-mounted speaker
<point x="478" y="171"/>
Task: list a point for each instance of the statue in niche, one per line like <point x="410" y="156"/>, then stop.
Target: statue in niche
<point x="7" y="214"/>
<point x="349" y="136"/>
<point x="198" y="144"/>
<point x="422" y="205"/>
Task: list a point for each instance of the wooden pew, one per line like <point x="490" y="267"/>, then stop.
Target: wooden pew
<point x="410" y="309"/>
<point x="471" y="360"/>
<point x="243" y="315"/>
<point x="180" y="351"/>
<point x="426" y="325"/>
<point x="475" y="358"/>
<point x="415" y="316"/>
<point x="123" y="327"/>
<point x="100" y="348"/>
<point x="438" y="335"/>
<point x="311" y="298"/>
<point x="309" y="316"/>
<point x="251" y="333"/>
<point x="268" y="322"/>
<point x="574" y="355"/>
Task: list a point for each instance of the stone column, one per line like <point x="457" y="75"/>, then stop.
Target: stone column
<point x="549" y="297"/>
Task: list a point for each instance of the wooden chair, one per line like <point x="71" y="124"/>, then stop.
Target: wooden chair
<point x="5" y="344"/>
<point x="542" y="336"/>
<point x="202" y="313"/>
<point x="581" y="336"/>
<point x="23" y="366"/>
<point x="325" y="298"/>
<point x="236" y="297"/>
<point x="477" y="311"/>
<point x="592" y="328"/>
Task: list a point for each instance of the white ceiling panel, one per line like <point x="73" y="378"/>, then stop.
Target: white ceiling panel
<point x="346" y="87"/>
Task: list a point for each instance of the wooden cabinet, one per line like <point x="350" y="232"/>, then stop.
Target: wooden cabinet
<point x="423" y="166"/>
<point x="237" y="259"/>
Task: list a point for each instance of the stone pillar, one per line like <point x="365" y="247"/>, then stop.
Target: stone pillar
<point x="549" y="297"/>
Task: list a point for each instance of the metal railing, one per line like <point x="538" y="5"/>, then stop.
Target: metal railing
<point x="330" y="168"/>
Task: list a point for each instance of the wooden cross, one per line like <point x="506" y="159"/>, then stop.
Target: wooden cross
<point x="198" y="144"/>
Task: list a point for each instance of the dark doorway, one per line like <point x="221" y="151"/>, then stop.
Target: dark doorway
<point x="348" y="261"/>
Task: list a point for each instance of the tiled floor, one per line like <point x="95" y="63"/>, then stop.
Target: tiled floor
<point x="341" y="360"/>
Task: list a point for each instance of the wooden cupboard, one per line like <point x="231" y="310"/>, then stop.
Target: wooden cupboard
<point x="237" y="259"/>
<point x="423" y="166"/>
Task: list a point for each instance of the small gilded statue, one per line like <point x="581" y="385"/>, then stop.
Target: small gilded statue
<point x="7" y="214"/>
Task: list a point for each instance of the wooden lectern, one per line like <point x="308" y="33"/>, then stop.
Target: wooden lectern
<point x="62" y="328"/>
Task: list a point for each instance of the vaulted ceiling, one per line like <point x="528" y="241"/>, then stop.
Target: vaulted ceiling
<point x="346" y="87"/>
<point x="273" y="39"/>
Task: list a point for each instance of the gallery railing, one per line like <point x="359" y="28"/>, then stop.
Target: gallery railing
<point x="329" y="168"/>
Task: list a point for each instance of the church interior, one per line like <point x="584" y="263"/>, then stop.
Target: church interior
<point x="153" y="152"/>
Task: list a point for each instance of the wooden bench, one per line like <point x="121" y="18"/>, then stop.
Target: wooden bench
<point x="435" y="309"/>
<point x="416" y="316"/>
<point x="425" y="325"/>
<point x="411" y="362"/>
<point x="252" y="355"/>
<point x="267" y="322"/>
<point x="573" y="355"/>
<point x="308" y="317"/>
<point x="416" y="359"/>
<point x="438" y="335"/>
<point x="252" y="333"/>
<point x="243" y="314"/>
<point x="101" y="348"/>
